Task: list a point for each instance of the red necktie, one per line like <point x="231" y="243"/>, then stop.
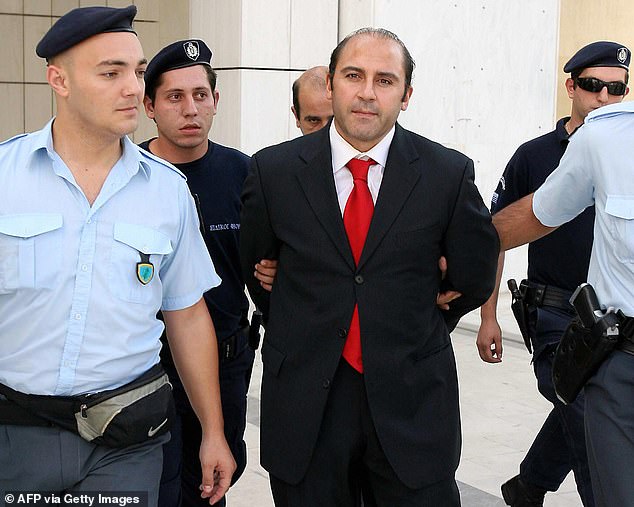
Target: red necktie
<point x="356" y="219"/>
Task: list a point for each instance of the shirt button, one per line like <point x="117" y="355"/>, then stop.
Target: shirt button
<point x="342" y="333"/>
<point x="358" y="279"/>
<point x="78" y="316"/>
<point x="89" y="221"/>
<point x="84" y="268"/>
<point x="325" y="384"/>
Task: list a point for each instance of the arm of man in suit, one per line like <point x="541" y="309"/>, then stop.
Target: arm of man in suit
<point x="471" y="247"/>
<point x="257" y="239"/>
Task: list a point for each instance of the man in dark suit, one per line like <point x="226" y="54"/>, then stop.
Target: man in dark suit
<point x="359" y="384"/>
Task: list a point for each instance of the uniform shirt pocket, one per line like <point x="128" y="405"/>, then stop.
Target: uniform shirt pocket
<point x="30" y="251"/>
<point x="620" y="209"/>
<point x="130" y="241"/>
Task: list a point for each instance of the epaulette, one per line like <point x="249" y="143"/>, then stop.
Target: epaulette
<point x="147" y="155"/>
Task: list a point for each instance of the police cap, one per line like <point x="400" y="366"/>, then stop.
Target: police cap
<point x="80" y="24"/>
<point x="599" y="54"/>
<point x="180" y="54"/>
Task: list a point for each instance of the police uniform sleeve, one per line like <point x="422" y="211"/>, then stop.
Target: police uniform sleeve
<point x="570" y="188"/>
<point x="189" y="272"/>
<point x="514" y="183"/>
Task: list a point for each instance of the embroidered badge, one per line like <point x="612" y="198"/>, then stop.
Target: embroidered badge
<point x="144" y="269"/>
<point x="191" y="49"/>
<point x="621" y="55"/>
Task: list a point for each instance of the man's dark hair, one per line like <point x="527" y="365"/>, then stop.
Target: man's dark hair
<point x="150" y="89"/>
<point x="408" y="61"/>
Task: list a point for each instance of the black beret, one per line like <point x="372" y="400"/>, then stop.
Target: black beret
<point x="179" y="54"/>
<point x="599" y="54"/>
<point x="82" y="23"/>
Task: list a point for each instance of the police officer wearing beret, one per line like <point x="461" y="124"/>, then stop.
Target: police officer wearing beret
<point x="96" y="236"/>
<point x="181" y="97"/>
<point x="557" y="264"/>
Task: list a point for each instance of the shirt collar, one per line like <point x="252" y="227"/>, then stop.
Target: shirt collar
<point x="342" y="151"/>
<point x="130" y="157"/>
<point x="561" y="132"/>
<point x="132" y="160"/>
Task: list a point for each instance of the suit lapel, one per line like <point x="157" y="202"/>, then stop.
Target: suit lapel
<point x="317" y="182"/>
<point x="399" y="178"/>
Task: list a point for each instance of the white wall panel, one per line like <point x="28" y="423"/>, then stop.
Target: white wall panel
<point x="266" y="33"/>
<point x="228" y="125"/>
<point x="313" y="32"/>
<point x="266" y="98"/>
<point x="219" y="23"/>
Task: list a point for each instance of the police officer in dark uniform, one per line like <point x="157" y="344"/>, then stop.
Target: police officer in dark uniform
<point x="181" y="98"/>
<point x="557" y="264"/>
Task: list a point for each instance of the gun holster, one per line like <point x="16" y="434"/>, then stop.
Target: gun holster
<point x="522" y="311"/>
<point x="254" y="329"/>
<point x="586" y="343"/>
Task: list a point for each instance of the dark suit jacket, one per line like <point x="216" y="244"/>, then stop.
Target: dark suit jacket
<point x="427" y="206"/>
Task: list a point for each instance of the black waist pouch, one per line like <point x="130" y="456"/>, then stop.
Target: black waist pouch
<point x="128" y="415"/>
<point x="579" y="354"/>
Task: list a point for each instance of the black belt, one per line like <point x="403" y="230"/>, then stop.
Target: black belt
<point x="546" y="295"/>
<point x="13" y="414"/>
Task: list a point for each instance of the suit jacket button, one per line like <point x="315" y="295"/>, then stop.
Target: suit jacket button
<point x="342" y="333"/>
<point x="325" y="384"/>
<point x="358" y="279"/>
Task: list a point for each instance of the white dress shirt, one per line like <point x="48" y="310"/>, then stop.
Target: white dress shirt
<point x="342" y="153"/>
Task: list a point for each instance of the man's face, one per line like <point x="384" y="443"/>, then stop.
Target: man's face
<point x="367" y="90"/>
<point x="315" y="109"/>
<point x="183" y="108"/>
<point x="585" y="101"/>
<point x="103" y="83"/>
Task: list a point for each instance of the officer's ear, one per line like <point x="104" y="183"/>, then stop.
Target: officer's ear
<point x="216" y="95"/>
<point x="57" y="77"/>
<point x="570" y="87"/>
<point x="149" y="107"/>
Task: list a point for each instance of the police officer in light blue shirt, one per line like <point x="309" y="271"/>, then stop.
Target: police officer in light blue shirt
<point x="597" y="169"/>
<point x="95" y="237"/>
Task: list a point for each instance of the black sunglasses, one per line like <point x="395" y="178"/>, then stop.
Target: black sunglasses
<point x="594" y="85"/>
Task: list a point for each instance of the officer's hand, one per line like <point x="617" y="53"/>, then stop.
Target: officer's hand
<point x="444" y="298"/>
<point x="489" y="341"/>
<point x="265" y="272"/>
<point x="217" y="465"/>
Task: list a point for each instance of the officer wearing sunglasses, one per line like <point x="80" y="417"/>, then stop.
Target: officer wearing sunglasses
<point x="557" y="264"/>
<point x="598" y="76"/>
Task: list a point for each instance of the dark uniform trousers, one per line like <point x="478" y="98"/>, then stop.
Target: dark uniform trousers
<point x="560" y="445"/>
<point x="181" y="470"/>
<point x="610" y="430"/>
